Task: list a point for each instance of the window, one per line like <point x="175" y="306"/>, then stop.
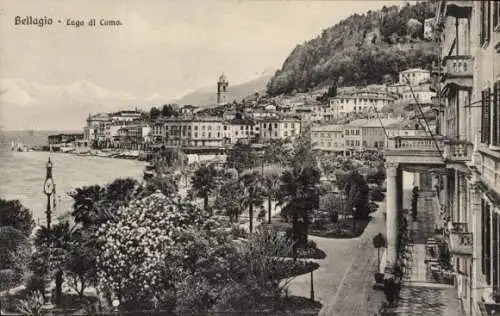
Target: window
<point x="496" y="114"/>
<point x="484" y="33"/>
<point x="485" y="116"/>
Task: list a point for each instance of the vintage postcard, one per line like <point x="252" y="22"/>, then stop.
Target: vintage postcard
<point x="241" y="157"/>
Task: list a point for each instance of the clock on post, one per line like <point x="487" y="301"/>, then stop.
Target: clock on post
<point x="49" y="189"/>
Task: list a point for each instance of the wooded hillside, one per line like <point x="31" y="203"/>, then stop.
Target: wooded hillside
<point x="360" y="50"/>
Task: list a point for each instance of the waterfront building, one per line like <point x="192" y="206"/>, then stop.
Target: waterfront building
<point x="61" y="142"/>
<point x="279" y="128"/>
<point x="328" y="137"/>
<point x="125" y="116"/>
<point x="243" y="128"/>
<point x="132" y="136"/>
<point x="194" y="131"/>
<point x="463" y="159"/>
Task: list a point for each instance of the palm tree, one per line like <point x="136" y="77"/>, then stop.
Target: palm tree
<point x="272" y="186"/>
<point x="299" y="195"/>
<point x="230" y="199"/>
<point x="55" y="243"/>
<point x="204" y="182"/>
<point x="253" y="193"/>
<point x="85" y="204"/>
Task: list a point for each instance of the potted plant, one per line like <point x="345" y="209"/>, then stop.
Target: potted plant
<point x="379" y="242"/>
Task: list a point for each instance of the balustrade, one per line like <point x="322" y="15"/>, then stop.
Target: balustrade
<point x="458" y="152"/>
<point x="461" y="243"/>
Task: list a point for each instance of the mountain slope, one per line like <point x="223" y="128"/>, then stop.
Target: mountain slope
<point x="360" y="50"/>
<point x="208" y="95"/>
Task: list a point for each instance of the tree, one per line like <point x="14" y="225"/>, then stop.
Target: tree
<point x="414" y="28"/>
<point x="272" y="186"/>
<point x="15" y="215"/>
<point x="165" y="183"/>
<point x="154" y="113"/>
<point x="136" y="249"/>
<point x="357" y="192"/>
<point x="204" y="183"/>
<point x="379" y="242"/>
<point x="54" y="244"/>
<point x="253" y="193"/>
<point x="241" y="157"/>
<point x="230" y="199"/>
<point x="299" y="195"/>
<point x="278" y="151"/>
<point x="168" y="110"/>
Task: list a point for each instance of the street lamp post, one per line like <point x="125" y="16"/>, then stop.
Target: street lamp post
<point x="354" y="220"/>
<point x="312" y="286"/>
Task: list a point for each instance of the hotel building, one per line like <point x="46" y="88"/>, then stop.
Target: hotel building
<point x="463" y="160"/>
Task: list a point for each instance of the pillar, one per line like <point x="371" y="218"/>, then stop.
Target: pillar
<point x="445" y="194"/>
<point x="476" y="228"/>
<point x="391" y="209"/>
<point x="399" y="189"/>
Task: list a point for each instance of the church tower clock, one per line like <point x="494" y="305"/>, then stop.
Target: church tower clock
<point x="222" y="90"/>
<point x="49" y="190"/>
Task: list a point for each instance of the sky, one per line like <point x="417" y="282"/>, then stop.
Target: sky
<point x="163" y="47"/>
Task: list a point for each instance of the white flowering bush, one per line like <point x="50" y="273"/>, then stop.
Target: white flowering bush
<point x="135" y="248"/>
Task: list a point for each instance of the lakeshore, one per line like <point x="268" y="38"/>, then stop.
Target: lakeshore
<point x="24" y="174"/>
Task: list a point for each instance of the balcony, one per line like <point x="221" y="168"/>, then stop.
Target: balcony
<point x="458" y="152"/>
<point x="458" y="8"/>
<point x="458" y="71"/>
<point x="458" y="227"/>
<point x="461" y="243"/>
<point x="419" y="148"/>
<point x="437" y="103"/>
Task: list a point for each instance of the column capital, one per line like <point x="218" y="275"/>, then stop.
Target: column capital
<point x="391" y="169"/>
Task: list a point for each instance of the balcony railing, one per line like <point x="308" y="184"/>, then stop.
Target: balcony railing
<point x="461" y="243"/>
<point x="458" y="67"/>
<point x="458" y="152"/>
<point x="459" y="8"/>
<point x="415" y="143"/>
<point x="458" y="227"/>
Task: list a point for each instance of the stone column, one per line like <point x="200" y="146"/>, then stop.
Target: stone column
<point x="476" y="229"/>
<point x="399" y="189"/>
<point x="444" y="194"/>
<point x="391" y="209"/>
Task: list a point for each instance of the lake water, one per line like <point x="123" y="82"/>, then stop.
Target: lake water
<point x="22" y="176"/>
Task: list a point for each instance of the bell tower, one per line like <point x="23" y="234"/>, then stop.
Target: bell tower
<point x="222" y="90"/>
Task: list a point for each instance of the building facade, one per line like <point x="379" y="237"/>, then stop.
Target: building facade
<point x="280" y="128"/>
<point x="328" y="137"/>
<point x="464" y="157"/>
<point x="360" y="102"/>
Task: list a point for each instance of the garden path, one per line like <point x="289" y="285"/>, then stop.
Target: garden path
<point x="343" y="283"/>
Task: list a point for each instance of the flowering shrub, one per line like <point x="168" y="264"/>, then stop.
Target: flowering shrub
<point x="135" y="248"/>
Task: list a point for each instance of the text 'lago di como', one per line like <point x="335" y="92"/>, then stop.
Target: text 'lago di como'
<point x="68" y="22"/>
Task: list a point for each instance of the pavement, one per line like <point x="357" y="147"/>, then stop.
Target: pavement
<point x="343" y="283"/>
<point x="420" y="294"/>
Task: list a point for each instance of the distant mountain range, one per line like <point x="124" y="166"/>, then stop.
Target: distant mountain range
<point x="26" y="105"/>
<point x="208" y="95"/>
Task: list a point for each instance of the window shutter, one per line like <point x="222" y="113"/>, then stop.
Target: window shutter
<point x="483" y="117"/>
<point x="487" y="107"/>
<point x="496" y="114"/>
